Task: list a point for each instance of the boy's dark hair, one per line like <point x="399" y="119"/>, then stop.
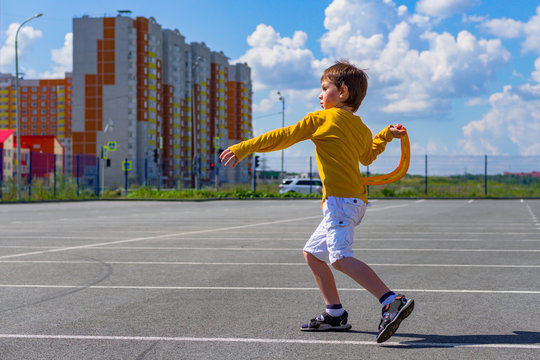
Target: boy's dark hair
<point x="344" y="73"/>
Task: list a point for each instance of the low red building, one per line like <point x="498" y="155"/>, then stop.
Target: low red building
<point x="45" y="152"/>
<point x="39" y="153"/>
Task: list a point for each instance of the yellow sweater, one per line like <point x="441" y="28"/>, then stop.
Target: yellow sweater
<point x="341" y="141"/>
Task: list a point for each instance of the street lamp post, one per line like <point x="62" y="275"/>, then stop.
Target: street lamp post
<point x="196" y="165"/>
<point x="282" y="99"/>
<point x="17" y="115"/>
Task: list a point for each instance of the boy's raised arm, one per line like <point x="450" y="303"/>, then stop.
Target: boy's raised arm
<point x="380" y="140"/>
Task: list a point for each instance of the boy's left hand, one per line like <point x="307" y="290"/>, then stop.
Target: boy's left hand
<point x="398" y="130"/>
<point x="229" y="158"/>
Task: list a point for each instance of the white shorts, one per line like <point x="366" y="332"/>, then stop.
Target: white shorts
<point x="333" y="238"/>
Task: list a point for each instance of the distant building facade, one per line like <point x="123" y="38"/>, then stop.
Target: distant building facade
<point x="162" y="100"/>
<point x="169" y="106"/>
<point x="45" y="108"/>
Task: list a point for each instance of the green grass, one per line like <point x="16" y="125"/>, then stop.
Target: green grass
<point x="469" y="186"/>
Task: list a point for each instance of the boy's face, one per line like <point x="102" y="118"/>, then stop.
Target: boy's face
<point x="330" y="95"/>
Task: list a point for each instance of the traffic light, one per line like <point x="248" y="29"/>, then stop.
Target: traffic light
<point x="257" y="161"/>
<point x="212" y="166"/>
<point x="155" y="155"/>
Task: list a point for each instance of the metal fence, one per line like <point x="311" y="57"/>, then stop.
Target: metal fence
<point x="81" y="175"/>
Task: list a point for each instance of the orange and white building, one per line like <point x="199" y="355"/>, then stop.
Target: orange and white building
<point x="166" y="104"/>
<point x="45" y="108"/>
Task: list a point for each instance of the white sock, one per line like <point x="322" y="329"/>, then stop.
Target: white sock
<point x="335" y="310"/>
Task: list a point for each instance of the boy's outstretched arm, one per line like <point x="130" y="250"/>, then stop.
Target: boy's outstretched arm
<point x="229" y="158"/>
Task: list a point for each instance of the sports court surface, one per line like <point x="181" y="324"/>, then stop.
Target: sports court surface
<point x="226" y="280"/>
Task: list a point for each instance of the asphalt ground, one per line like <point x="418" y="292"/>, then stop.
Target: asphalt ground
<point x="227" y="280"/>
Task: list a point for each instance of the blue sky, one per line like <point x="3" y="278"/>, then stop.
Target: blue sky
<point x="462" y="75"/>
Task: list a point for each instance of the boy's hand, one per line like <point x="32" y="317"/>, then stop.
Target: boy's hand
<point x="397" y="130"/>
<point x="227" y="156"/>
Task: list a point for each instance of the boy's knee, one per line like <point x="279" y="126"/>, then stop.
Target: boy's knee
<point x="310" y="258"/>
<point x="338" y="265"/>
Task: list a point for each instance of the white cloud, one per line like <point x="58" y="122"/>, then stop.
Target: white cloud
<point x="265" y="105"/>
<point x="279" y="62"/>
<point x="532" y="32"/>
<point x="62" y="59"/>
<point x="388" y="44"/>
<point x="504" y="28"/>
<point x="356" y="27"/>
<point x="451" y="67"/>
<point x="510" y="28"/>
<point x="444" y="8"/>
<point x="477" y="101"/>
<point x="26" y="39"/>
<point x="513" y="119"/>
<point x="536" y="74"/>
<point x="412" y="68"/>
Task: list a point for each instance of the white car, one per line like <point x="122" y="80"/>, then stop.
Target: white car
<point x="300" y="186"/>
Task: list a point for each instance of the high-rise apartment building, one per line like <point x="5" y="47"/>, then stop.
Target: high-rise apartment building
<point x="168" y="106"/>
<point x="164" y="102"/>
<point x="45" y="108"/>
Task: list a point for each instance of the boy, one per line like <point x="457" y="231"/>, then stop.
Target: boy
<point x="341" y="141"/>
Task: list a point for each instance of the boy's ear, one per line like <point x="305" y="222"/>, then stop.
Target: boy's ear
<point x="343" y="92"/>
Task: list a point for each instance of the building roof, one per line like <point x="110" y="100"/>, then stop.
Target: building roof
<point x="37" y="143"/>
<point x="4" y="134"/>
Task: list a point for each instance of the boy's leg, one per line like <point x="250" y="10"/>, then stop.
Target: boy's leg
<point x="324" y="279"/>
<point x="362" y="274"/>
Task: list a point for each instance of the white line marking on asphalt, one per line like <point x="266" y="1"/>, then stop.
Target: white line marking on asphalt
<point x="164" y="236"/>
<point x="411" y="343"/>
<point x="531" y="212"/>
<point x="156" y="237"/>
<point x="420" y="201"/>
<point x="470" y="201"/>
<point x="303" y="239"/>
<point x="192" y="263"/>
<point x="287" y="249"/>
<point x="258" y="288"/>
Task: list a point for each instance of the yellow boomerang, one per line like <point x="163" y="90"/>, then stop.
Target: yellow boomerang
<point x="399" y="172"/>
